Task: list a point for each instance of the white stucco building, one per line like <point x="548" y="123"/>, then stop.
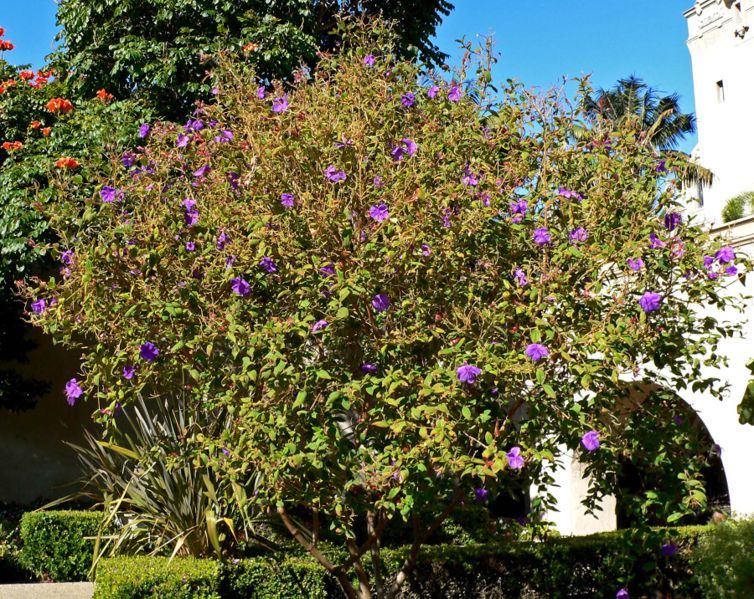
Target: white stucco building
<point x="721" y="44"/>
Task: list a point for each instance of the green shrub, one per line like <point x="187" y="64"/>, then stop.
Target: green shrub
<point x="268" y="578"/>
<point x="59" y="545"/>
<point x="562" y="567"/>
<point x="137" y="577"/>
<point x="723" y="561"/>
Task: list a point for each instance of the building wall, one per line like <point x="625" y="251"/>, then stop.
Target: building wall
<point x="35" y="463"/>
<point x="723" y="68"/>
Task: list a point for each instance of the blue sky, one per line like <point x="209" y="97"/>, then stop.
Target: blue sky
<point x="539" y="41"/>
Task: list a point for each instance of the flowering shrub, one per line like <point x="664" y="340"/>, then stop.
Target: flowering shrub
<point x="407" y="292"/>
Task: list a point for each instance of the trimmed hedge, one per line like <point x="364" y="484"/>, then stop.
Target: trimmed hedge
<point x="141" y="577"/>
<point x="58" y="545"/>
<point x="562" y="567"/>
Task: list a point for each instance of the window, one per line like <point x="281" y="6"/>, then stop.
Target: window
<point x="720" y="92"/>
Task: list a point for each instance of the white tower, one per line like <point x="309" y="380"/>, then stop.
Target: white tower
<point x="722" y="56"/>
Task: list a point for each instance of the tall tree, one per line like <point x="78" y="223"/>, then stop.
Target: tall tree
<point x="159" y="48"/>
<point x="631" y="102"/>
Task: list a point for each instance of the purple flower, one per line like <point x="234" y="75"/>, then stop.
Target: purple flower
<point x="39" y="306"/>
<point x="202" y="171"/>
<point x="672" y="220"/>
<point x="468" y="373"/>
<point x="541" y="236"/>
<point x="655" y="242"/>
<point x="222" y="240"/>
<point x="369" y="368"/>
<point x="240" y="286"/>
<point x="148" y="351"/>
<point x="591" y="441"/>
<point x="454" y="95"/>
<point x="233" y="180"/>
<point x="669" y="549"/>
<point x="731" y="270"/>
<point x="569" y="194"/>
<point x="725" y="255"/>
<point x="224" y="137"/>
<point x="183" y="141"/>
<point x="280" y="104"/>
<point x="660" y="168"/>
<point x="635" y="264"/>
<point x="319" y="325"/>
<point x="378" y="181"/>
<point x="520" y="277"/>
<point x="73" y="391"/>
<point x="328" y="270"/>
<point x="67" y="257"/>
<point x="380" y="302"/>
<point x="128" y="159"/>
<point x="536" y="351"/>
<point x="708" y="262"/>
<point x="108" y="194"/>
<point x="261" y="92"/>
<point x="622" y="594"/>
<point x="469" y="178"/>
<point x="515" y="460"/>
<point x="229" y="261"/>
<point x="426" y="251"/>
<point x="144" y="130"/>
<point x="286" y="199"/>
<point x="334" y="175"/>
<point x="129" y="371"/>
<point x="407" y="147"/>
<point x="518" y="210"/>
<point x="190" y="246"/>
<point x="650" y="301"/>
<point x="193" y="125"/>
<point x="481" y="495"/>
<point x="408" y="99"/>
<point x="268" y="264"/>
<point x="379" y="212"/>
<point x="432" y="92"/>
<point x="579" y="234"/>
<point x="369" y="60"/>
<point x="191" y="216"/>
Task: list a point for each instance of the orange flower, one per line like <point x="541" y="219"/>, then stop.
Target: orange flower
<point x="104" y="95"/>
<point x="26" y="75"/>
<point x="2" y="31"/>
<point x="6" y="45"/>
<point x="10" y="146"/>
<point x="250" y="47"/>
<point x="36" y="124"/>
<point x="60" y="105"/>
<point x="46" y="131"/>
<point x="66" y="162"/>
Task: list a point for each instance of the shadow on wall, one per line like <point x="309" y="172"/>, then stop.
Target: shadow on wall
<point x="35" y="464"/>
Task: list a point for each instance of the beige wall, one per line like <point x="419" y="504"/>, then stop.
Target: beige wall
<point x="34" y="462"/>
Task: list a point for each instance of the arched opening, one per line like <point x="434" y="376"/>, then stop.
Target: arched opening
<point x="636" y="478"/>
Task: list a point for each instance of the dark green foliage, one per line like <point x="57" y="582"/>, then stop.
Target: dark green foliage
<point x="159" y="48"/>
<point x="561" y="567"/>
<point x="141" y="577"/>
<point x="59" y="545"/>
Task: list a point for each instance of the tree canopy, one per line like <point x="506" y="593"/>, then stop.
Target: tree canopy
<point x="160" y="49"/>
